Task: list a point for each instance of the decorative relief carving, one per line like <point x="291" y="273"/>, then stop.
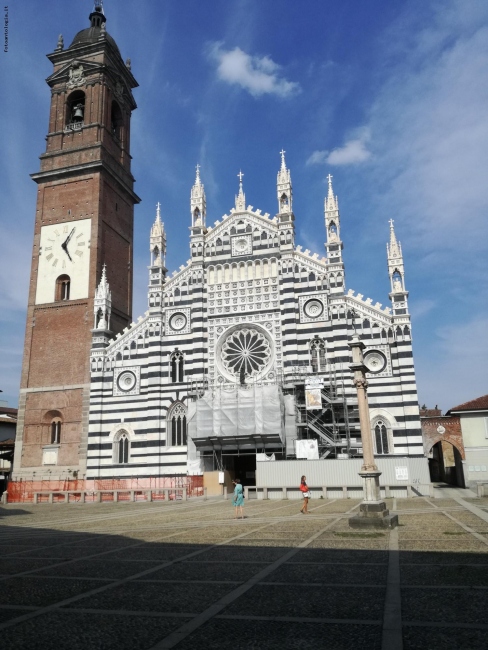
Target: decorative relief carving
<point x="313" y="308"/>
<point x="119" y="90"/>
<point x="178" y="321"/>
<point x="377" y="360"/>
<point x="76" y="77"/>
<point x="241" y="245"/>
<point x="127" y="381"/>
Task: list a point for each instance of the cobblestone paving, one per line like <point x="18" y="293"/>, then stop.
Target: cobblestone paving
<point x="144" y="576"/>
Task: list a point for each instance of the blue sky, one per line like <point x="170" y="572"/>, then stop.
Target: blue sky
<point x="389" y="97"/>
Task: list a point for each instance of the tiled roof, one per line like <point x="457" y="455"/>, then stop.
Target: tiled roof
<point x="7" y="410"/>
<point x="478" y="404"/>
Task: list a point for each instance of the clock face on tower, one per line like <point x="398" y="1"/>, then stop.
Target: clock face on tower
<point x="64" y="256"/>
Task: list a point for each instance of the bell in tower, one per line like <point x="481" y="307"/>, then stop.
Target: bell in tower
<point x="78" y="113"/>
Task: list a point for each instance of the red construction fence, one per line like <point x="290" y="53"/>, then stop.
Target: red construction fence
<point x="133" y="489"/>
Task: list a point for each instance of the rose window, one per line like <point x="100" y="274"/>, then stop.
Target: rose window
<point x="246" y="351"/>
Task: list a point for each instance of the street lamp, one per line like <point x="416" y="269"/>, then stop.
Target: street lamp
<point x="373" y="512"/>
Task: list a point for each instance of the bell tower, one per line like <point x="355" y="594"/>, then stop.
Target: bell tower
<point x="84" y="219"/>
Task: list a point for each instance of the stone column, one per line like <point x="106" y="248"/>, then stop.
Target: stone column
<point x="373" y="512"/>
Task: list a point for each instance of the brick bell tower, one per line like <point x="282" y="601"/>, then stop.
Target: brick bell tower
<point x="84" y="219"/>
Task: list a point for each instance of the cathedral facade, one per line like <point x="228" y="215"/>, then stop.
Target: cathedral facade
<point x="243" y="351"/>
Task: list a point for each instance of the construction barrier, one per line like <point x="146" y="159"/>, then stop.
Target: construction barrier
<point x="103" y="490"/>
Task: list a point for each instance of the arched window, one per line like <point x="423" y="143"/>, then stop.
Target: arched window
<point x="317" y="355"/>
<point x="116" y="121"/>
<point x="177" y="425"/>
<point x="177" y="370"/>
<point x="63" y="284"/>
<point x="121" y="448"/>
<point x="56" y="431"/>
<point x="381" y="439"/>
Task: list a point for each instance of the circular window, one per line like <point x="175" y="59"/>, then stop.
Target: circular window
<point x="246" y="351"/>
<point x="177" y="322"/>
<point x="375" y="361"/>
<point x="126" y="380"/>
<point x="313" y="308"/>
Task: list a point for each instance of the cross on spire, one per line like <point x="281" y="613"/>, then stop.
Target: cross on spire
<point x="240" y="198"/>
<point x="283" y="165"/>
<point x="391" y="222"/>
<point x="329" y="179"/>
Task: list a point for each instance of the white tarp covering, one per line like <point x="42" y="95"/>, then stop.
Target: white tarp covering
<point x="238" y="411"/>
<point x="308" y="449"/>
<point x="194" y="467"/>
<point x="262" y="458"/>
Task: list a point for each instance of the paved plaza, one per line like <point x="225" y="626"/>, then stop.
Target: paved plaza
<point x="183" y="575"/>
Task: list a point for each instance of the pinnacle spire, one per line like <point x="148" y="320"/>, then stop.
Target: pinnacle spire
<point x="394" y="248"/>
<point x="284" y="188"/>
<point x="103" y="281"/>
<point x="102" y="306"/>
<point x="157" y="239"/>
<point x="241" y="197"/>
<point x="331" y="202"/>
<point x="198" y="202"/>
<point x="396" y="271"/>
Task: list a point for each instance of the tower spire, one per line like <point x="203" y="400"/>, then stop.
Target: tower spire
<point x="198" y="202"/>
<point x="333" y="243"/>
<point x="396" y="271"/>
<point x="157" y="245"/>
<point x="102" y="306"/>
<point x="241" y="197"/>
<point x="284" y="188"/>
<point x="331" y="202"/>
<point x="157" y="268"/>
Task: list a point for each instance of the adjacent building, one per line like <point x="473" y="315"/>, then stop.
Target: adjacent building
<point x="473" y="417"/>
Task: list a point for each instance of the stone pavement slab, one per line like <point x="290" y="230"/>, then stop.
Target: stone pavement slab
<point x="187" y="575"/>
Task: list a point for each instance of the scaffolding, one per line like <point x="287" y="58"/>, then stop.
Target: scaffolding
<point x="335" y="424"/>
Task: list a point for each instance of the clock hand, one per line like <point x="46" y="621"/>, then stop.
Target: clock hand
<point x="65" y="248"/>
<point x="69" y="236"/>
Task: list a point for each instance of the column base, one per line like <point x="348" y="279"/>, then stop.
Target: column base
<point x="373" y="514"/>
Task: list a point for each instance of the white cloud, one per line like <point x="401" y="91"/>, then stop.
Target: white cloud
<point x="257" y="75"/>
<point x="352" y="152"/>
